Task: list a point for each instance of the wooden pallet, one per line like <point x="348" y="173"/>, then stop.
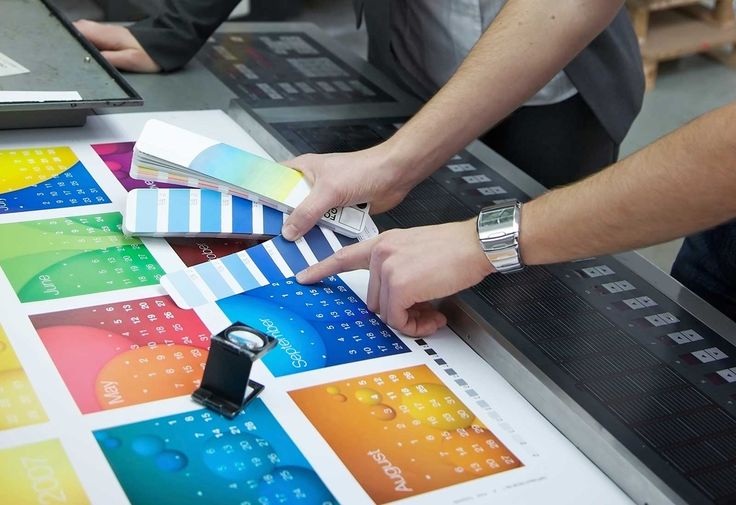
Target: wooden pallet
<point x="669" y="29"/>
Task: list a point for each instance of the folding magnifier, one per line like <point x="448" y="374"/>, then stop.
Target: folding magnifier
<point x="226" y="386"/>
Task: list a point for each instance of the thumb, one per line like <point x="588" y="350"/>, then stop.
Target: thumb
<point x="307" y="214"/>
<point x="305" y="164"/>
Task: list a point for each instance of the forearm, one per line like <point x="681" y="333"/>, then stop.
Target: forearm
<point x="526" y="45"/>
<point x="174" y="36"/>
<point x="683" y="183"/>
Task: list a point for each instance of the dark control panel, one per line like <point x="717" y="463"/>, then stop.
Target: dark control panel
<point x="456" y="191"/>
<point x="658" y="379"/>
<point x="286" y="69"/>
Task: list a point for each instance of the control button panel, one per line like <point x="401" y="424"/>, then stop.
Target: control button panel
<point x="461" y="167"/>
<point x="727" y="375"/>
<point x="641" y="302"/>
<point x="283" y="69"/>
<point x="705" y="355"/>
<point x="684" y="337"/>
<point x="596" y="271"/>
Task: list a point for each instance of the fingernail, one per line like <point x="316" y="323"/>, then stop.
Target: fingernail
<point x="289" y="232"/>
<point x="300" y="276"/>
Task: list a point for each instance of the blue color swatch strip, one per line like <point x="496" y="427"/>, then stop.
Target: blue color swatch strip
<point x="265" y="262"/>
<point x="210" y="211"/>
<point x="209" y="206"/>
<point x="145" y="222"/>
<point x="243" y="216"/>
<point x="178" y="211"/>
<point x="246" y="270"/>
<point x="292" y="255"/>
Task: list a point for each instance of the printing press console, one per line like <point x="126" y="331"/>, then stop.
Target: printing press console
<point x="286" y="69"/>
<point x="634" y="369"/>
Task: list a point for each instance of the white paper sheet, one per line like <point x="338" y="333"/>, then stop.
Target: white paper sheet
<point x="38" y="96"/>
<point x="9" y="66"/>
<point x="553" y="469"/>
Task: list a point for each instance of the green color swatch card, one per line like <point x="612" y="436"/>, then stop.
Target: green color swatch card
<point x="70" y="256"/>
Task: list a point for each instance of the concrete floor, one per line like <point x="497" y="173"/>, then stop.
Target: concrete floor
<point x="685" y="89"/>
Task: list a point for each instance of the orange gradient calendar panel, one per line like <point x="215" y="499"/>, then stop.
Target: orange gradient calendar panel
<point x="403" y="432"/>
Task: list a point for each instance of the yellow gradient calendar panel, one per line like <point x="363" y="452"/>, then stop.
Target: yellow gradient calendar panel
<point x="21" y="168"/>
<point x="38" y="178"/>
<point x="39" y="474"/>
<point x="19" y="405"/>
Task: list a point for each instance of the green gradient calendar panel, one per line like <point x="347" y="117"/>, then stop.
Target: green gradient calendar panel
<point x="57" y="258"/>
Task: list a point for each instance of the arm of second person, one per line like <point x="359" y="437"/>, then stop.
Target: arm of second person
<point x="525" y="46"/>
<point x="166" y="41"/>
<point x="683" y="183"/>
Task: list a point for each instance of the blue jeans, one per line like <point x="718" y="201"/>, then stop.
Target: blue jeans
<point x="706" y="264"/>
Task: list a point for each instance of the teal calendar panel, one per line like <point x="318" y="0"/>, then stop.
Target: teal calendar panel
<point x="200" y="457"/>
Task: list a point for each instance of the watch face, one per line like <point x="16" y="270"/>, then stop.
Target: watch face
<point x="497" y="217"/>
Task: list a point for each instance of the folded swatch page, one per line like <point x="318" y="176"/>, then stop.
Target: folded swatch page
<point x="166" y="153"/>
<point x="252" y="268"/>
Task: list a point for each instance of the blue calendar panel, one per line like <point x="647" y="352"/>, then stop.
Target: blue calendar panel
<point x="317" y="326"/>
<point x="200" y="458"/>
<point x="45" y="178"/>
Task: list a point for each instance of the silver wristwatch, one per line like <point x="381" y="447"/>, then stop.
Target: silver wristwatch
<point x="498" y="232"/>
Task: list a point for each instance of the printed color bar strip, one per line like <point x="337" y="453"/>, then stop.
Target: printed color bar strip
<point x="197" y="212"/>
<point x="249" y="269"/>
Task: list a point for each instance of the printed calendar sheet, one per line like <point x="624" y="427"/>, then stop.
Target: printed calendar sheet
<point x="97" y="365"/>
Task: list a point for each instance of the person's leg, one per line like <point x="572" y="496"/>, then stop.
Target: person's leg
<point x="706" y="264"/>
<point x="555" y="144"/>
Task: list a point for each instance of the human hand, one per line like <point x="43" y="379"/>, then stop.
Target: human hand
<point x="408" y="269"/>
<point x="118" y="46"/>
<point x="341" y="179"/>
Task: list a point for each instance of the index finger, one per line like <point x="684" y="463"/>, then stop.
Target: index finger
<point x="352" y="257"/>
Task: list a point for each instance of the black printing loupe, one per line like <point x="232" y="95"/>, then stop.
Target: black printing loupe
<point x="226" y="386"/>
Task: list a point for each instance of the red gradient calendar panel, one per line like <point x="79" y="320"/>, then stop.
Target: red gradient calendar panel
<point x="126" y="353"/>
<point x="194" y="251"/>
